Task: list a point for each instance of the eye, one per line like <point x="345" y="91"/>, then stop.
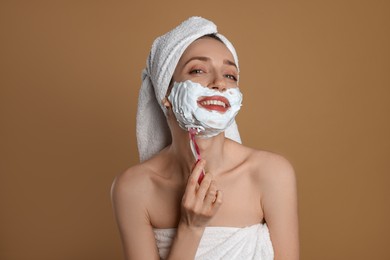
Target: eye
<point x="196" y="71"/>
<point x="232" y="77"/>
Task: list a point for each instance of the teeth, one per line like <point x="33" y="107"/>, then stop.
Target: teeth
<point x="213" y="102"/>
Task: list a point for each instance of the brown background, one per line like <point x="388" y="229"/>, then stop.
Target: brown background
<point x="316" y="84"/>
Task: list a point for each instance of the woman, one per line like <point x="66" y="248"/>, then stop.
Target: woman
<point x="244" y="206"/>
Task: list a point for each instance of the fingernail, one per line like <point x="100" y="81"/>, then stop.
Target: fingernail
<point x="201" y="176"/>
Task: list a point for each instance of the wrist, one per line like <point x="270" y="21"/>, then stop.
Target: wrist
<point x="190" y="229"/>
<point x="186" y="242"/>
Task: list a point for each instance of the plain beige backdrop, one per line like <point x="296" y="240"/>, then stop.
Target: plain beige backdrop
<point x="316" y="84"/>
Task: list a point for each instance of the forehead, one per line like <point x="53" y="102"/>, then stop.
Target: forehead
<point x="208" y="47"/>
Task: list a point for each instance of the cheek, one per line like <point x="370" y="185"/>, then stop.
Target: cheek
<point x="202" y="79"/>
<point x="231" y="84"/>
<point x="176" y="78"/>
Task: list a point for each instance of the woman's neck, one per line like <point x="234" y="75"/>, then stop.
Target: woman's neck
<point x="211" y="150"/>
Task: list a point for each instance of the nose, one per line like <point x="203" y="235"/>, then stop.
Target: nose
<point x="218" y="83"/>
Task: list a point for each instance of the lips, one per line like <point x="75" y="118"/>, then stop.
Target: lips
<point x="217" y="103"/>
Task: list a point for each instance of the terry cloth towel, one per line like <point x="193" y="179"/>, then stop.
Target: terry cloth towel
<point x="152" y="129"/>
<point x="230" y="243"/>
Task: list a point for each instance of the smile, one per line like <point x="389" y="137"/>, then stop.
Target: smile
<point x="218" y="103"/>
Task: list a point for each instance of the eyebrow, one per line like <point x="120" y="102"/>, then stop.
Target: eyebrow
<point x="203" y="58"/>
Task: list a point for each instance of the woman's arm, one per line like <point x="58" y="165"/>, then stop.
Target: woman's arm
<point x="279" y="202"/>
<point x="129" y="199"/>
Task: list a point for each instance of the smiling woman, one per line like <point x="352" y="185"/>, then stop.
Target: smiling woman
<point x="245" y="206"/>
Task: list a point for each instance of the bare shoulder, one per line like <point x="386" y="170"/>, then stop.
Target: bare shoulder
<point x="274" y="164"/>
<point x="132" y="183"/>
<point x="270" y="168"/>
<point x="264" y="167"/>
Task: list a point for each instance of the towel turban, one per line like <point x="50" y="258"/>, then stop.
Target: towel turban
<point x="152" y="130"/>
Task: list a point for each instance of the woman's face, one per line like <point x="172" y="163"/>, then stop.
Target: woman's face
<point x="204" y="95"/>
<point x="209" y="62"/>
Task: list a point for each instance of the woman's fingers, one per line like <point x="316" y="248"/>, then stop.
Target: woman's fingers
<point x="192" y="183"/>
<point x="204" y="186"/>
<point x="211" y="194"/>
<point x="218" y="199"/>
<point x="193" y="179"/>
<point x="200" y="201"/>
<point x="213" y="198"/>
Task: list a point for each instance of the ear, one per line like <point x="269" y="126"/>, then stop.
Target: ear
<point x="166" y="103"/>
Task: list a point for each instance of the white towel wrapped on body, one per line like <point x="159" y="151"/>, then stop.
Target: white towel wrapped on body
<point x="228" y="243"/>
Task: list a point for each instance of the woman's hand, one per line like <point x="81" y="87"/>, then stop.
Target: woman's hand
<point x="200" y="201"/>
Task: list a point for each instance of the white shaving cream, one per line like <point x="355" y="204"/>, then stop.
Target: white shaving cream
<point x="184" y="98"/>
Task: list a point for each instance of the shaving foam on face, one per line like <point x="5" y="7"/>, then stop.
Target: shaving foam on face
<point x="184" y="98"/>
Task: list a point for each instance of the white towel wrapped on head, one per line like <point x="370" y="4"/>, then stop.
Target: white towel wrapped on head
<point x="152" y="129"/>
